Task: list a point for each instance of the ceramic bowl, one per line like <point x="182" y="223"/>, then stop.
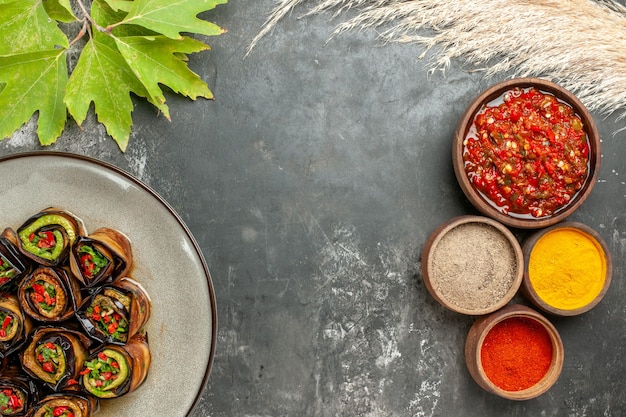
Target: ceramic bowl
<point x="562" y="294"/>
<point x="472" y="265"/>
<point x="480" y="200"/>
<point x="476" y="338"/>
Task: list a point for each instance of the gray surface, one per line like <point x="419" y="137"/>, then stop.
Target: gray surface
<point x="311" y="184"/>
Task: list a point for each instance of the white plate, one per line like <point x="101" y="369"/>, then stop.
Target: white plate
<point x="167" y="262"/>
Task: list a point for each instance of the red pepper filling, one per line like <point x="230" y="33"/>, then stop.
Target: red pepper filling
<point x="44" y="295"/>
<point x="109" y="321"/>
<point x="528" y="155"/>
<point x="43" y="240"/>
<point x="61" y="411"/>
<point x="6" y="323"/>
<point x="10" y="401"/>
<point x="102" y="370"/>
<point x="48" y="357"/>
<point x="91" y="261"/>
<point x="87" y="265"/>
<point x="7" y="271"/>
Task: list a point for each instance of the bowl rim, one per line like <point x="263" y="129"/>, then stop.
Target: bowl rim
<point x="476" y="337"/>
<point x="434" y="239"/>
<point x="527" y="288"/>
<point x="476" y="198"/>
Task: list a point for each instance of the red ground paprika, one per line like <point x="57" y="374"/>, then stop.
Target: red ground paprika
<point x="516" y="353"/>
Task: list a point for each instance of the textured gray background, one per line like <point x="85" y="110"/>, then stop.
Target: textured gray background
<point x="311" y="184"/>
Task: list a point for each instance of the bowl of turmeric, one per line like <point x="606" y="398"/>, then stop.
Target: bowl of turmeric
<point x="515" y="353"/>
<point x="567" y="269"/>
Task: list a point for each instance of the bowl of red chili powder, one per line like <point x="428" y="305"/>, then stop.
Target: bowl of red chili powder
<point x="515" y="353"/>
<point x="526" y="152"/>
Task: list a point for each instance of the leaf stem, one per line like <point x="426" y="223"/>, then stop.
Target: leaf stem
<point x="112" y="26"/>
<point x="88" y="17"/>
<point x="81" y="33"/>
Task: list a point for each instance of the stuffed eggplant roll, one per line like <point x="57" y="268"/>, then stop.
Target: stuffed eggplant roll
<point x="49" y="294"/>
<point x="17" y="392"/>
<point x="116" y="312"/>
<point x="101" y="257"/>
<point x="14" y="266"/>
<point x="117" y="370"/>
<point x="65" y="404"/>
<point x="14" y="397"/>
<point x="46" y="237"/>
<point x="14" y="325"/>
<point x="55" y="356"/>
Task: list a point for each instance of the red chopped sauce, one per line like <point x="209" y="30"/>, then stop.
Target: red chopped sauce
<point x="528" y="155"/>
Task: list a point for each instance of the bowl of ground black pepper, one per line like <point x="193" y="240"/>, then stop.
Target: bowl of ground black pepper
<point x="526" y="152"/>
<point x="472" y="265"/>
<point x="515" y="353"/>
<point x="568" y="268"/>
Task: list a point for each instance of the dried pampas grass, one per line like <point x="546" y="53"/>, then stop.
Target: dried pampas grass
<point x="580" y="44"/>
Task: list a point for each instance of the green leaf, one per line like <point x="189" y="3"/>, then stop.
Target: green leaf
<point x="120" y="5"/>
<point x="108" y="16"/>
<point x="33" y="81"/>
<point x="26" y="27"/>
<point x="171" y="17"/>
<point x="60" y="10"/>
<point x="154" y="60"/>
<point x="102" y="76"/>
<point x="140" y="52"/>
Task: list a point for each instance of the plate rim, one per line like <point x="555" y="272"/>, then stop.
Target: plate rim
<point x="130" y="177"/>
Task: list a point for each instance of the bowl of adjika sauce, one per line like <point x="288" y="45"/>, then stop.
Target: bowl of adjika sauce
<point x="526" y="152"/>
<point x="472" y="265"/>
<point x="515" y="353"/>
<point x="568" y="268"/>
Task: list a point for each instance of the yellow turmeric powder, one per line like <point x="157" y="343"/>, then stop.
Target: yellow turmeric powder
<point x="567" y="268"/>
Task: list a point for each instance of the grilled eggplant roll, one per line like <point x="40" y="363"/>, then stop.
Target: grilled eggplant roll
<point x="102" y="257"/>
<point x="14" y="325"/>
<point x="15" y="397"/>
<point x="49" y="294"/>
<point x="55" y="356"/>
<point x="13" y="265"/>
<point x="17" y="392"/>
<point x="117" y="370"/>
<point x="65" y="404"/>
<point x="116" y="312"/>
<point x="47" y="237"/>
